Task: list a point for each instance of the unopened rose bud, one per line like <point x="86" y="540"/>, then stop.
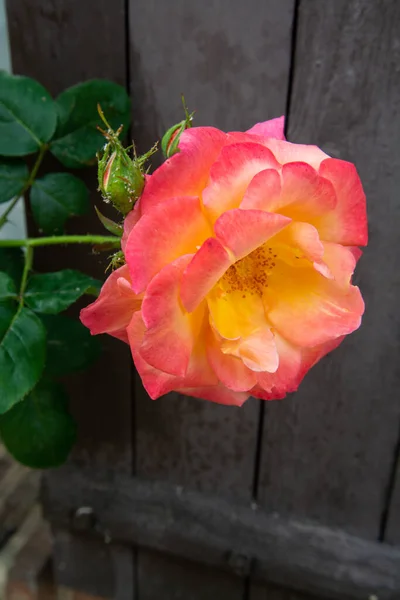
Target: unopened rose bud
<point x="121" y="180"/>
<point x="170" y="140"/>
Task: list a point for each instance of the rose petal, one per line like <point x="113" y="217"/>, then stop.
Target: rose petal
<point x="186" y="173"/>
<point x="294" y="363"/>
<point x="305" y="194"/>
<point x="130" y="221"/>
<point x="242" y="231"/>
<point x="264" y="191"/>
<point x="171" y="332"/>
<point x="219" y="394"/>
<point x="286" y="152"/>
<point x="230" y="370"/>
<point x="202" y="273"/>
<point x="156" y="383"/>
<point x="308" y="309"/>
<point x="341" y="262"/>
<point x="274" y="128"/>
<point x="170" y="230"/>
<point x="231" y="174"/>
<point x="112" y="311"/>
<point x="258" y="351"/>
<point x="237" y="314"/>
<point x="347" y="224"/>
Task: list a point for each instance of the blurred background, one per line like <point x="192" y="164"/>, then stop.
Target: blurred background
<point x="182" y="499"/>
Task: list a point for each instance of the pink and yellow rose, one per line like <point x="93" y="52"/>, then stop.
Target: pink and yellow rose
<point x="239" y="258"/>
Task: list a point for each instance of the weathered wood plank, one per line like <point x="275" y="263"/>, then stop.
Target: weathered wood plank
<point x="232" y="65"/>
<point x="392" y="532"/>
<point x="60" y="44"/>
<point x="236" y="537"/>
<point x="327" y="450"/>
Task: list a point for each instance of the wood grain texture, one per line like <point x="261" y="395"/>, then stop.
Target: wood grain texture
<point x="61" y="43"/>
<point x="392" y="532"/>
<point x="328" y="450"/>
<point x="232" y="65"/>
<point x="232" y="535"/>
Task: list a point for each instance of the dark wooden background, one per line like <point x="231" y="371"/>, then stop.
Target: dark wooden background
<point x="327" y="457"/>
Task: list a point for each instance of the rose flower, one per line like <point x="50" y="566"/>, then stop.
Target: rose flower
<point x="239" y="257"/>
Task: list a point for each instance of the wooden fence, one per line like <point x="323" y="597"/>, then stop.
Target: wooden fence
<point x="181" y="499"/>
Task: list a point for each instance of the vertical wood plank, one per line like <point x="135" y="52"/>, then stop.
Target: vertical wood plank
<point x="327" y="450"/>
<point x="392" y="531"/>
<point x="232" y="65"/>
<point x="61" y="43"/>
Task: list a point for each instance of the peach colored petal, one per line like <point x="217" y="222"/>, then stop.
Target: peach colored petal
<point x="258" y="351"/>
<point x="218" y="394"/>
<point x="274" y="128"/>
<point x="308" y="309"/>
<point x="264" y="191"/>
<point x="231" y="174"/>
<point x="341" y="262"/>
<point x="242" y="231"/>
<point x="170" y="335"/>
<point x="156" y="383"/>
<point x="286" y="152"/>
<point x="186" y="173"/>
<point x="171" y="229"/>
<point x="112" y="311"/>
<point x="347" y="224"/>
<point x="230" y="370"/>
<point x="202" y="273"/>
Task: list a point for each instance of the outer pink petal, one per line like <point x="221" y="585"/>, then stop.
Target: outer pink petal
<point x="348" y="223"/>
<point x="294" y="363"/>
<point x="156" y="383"/>
<point x="264" y="191"/>
<point x="202" y="273"/>
<point x="274" y="128"/>
<point x="113" y="309"/>
<point x="242" y="231"/>
<point x="231" y="174"/>
<point x="219" y="394"/>
<point x="169" y="339"/>
<point x="230" y="370"/>
<point x="130" y="221"/>
<point x="341" y="261"/>
<point x="171" y="229"/>
<point x="186" y="173"/>
<point x="286" y="152"/>
<point x="305" y="194"/>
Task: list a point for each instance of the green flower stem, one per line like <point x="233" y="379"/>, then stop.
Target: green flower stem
<point x="26" y="186"/>
<point x="61" y="239"/>
<point x="27" y="268"/>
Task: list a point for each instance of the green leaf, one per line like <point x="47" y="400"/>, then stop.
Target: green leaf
<point x="110" y="225"/>
<point x="70" y="347"/>
<point x="22" y="354"/>
<point x="12" y="262"/>
<point x="7" y="287"/>
<point x="28" y="115"/>
<point x="39" y="431"/>
<point x="77" y="139"/>
<point x="13" y="177"/>
<point x="55" y="197"/>
<point x="52" y="293"/>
